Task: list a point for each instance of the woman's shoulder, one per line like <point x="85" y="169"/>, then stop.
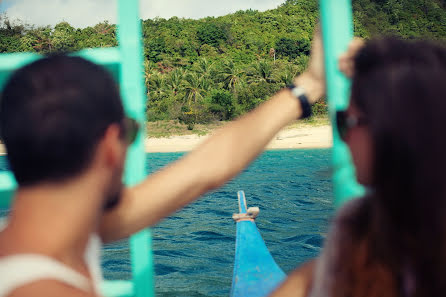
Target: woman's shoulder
<point x="345" y="222"/>
<point x="350" y="221"/>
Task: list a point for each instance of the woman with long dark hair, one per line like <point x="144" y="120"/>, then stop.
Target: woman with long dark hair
<point x="392" y="242"/>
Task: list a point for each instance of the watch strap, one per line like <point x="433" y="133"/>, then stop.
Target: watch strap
<point x="299" y="94"/>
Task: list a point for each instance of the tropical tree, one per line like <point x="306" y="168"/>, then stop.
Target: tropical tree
<point x="286" y="75"/>
<point x="211" y="33"/>
<point x="157" y="87"/>
<point x="222" y="104"/>
<point x="287" y="47"/>
<point x="231" y="76"/>
<point x="10" y="35"/>
<point x="204" y="67"/>
<point x="38" y="40"/>
<point x="63" y="38"/>
<point x="261" y="71"/>
<point x="196" y="87"/>
<point x="175" y="80"/>
<point x="149" y="70"/>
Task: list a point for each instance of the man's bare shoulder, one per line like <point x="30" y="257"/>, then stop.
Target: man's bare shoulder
<point x="49" y="288"/>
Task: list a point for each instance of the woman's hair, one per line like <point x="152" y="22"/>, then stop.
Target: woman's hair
<point x="399" y="240"/>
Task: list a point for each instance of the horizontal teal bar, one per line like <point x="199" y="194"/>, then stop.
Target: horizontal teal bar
<point x="108" y="57"/>
<point x="12" y="61"/>
<point x="103" y="56"/>
<point x="117" y="288"/>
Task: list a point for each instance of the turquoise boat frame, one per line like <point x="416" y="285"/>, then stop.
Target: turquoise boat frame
<point x="337" y="32"/>
<point x="126" y="64"/>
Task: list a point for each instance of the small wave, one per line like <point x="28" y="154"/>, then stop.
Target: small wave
<point x="297" y="238"/>
<point x="169" y="253"/>
<point x="316" y="241"/>
<point x="161" y="269"/>
<point x="210" y="235"/>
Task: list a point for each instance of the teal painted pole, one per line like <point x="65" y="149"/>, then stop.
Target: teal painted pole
<point x="132" y="88"/>
<point x="337" y="31"/>
<point x="8" y="185"/>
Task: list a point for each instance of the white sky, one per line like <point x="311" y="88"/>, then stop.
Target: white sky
<point x="82" y="13"/>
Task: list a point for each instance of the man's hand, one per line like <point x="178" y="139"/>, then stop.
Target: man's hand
<point x="313" y="79"/>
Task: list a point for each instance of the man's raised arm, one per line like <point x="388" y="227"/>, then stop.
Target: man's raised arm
<point x="213" y="163"/>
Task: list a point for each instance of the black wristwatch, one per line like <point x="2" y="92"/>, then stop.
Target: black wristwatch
<point x="299" y="94"/>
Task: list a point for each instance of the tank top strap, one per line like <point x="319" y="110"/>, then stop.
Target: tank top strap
<point x="19" y="270"/>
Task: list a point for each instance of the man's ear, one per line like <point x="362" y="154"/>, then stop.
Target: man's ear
<point x="112" y="147"/>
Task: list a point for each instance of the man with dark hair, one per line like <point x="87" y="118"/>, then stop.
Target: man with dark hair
<point x="64" y="128"/>
<point x="54" y="113"/>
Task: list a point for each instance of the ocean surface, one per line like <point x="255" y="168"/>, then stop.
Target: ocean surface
<point x="194" y="248"/>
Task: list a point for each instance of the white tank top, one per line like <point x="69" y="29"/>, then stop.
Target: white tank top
<point x="23" y="269"/>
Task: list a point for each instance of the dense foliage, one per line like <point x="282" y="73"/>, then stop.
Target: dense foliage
<point x="219" y="68"/>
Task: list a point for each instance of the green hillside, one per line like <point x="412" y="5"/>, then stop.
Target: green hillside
<point x="197" y="71"/>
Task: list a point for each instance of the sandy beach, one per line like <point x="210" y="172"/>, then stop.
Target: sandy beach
<point x="288" y="138"/>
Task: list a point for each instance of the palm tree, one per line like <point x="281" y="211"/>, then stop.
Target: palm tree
<point x="156" y="86"/>
<point x="204" y="67"/>
<point x="231" y="76"/>
<point x="196" y="87"/>
<point x="288" y="74"/>
<point x="149" y="70"/>
<point x="175" y="79"/>
<point x="262" y="71"/>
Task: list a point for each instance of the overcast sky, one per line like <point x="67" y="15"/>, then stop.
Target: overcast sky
<point x="82" y="13"/>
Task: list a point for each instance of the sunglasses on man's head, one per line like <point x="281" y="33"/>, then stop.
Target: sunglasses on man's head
<point x="131" y="129"/>
<point x="345" y="122"/>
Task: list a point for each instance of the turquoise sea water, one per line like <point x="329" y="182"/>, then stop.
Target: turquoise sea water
<point x="194" y="248"/>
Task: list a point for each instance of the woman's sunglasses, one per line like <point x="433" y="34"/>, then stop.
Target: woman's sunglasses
<point x="345" y="122"/>
<point x="130" y="129"/>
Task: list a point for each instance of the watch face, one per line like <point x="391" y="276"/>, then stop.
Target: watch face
<point x="297" y="92"/>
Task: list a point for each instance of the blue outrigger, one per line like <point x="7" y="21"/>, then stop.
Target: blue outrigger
<point x="255" y="272"/>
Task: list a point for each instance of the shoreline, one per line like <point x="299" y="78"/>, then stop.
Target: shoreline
<point x="289" y="138"/>
<point x="307" y="137"/>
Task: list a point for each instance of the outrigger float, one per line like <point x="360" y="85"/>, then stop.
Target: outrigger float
<point x="255" y="272"/>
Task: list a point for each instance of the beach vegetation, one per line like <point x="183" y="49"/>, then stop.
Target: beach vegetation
<point x="215" y="69"/>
